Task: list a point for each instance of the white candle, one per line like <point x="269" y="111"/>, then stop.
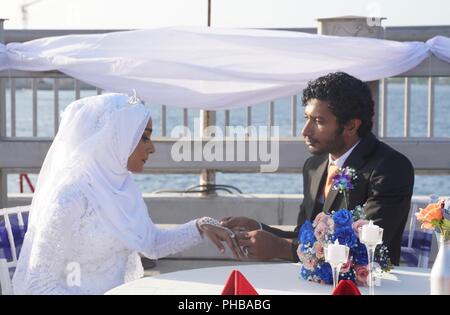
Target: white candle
<point x="336" y="253"/>
<point x="370" y="233"/>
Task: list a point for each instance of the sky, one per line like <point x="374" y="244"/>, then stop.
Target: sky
<point x="131" y="14"/>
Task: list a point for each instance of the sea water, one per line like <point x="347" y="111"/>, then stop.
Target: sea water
<point x="255" y="182"/>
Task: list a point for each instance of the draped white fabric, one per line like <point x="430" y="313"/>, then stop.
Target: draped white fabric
<point x="213" y="68"/>
<point x="440" y="47"/>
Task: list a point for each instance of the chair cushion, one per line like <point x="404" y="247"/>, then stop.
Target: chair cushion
<point x="18" y="233"/>
<point x="420" y="247"/>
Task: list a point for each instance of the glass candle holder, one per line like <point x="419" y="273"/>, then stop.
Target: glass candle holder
<point x="371" y="236"/>
<point x="336" y="255"/>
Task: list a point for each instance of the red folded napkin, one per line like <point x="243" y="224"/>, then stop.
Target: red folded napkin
<point x="346" y="287"/>
<point x="237" y="284"/>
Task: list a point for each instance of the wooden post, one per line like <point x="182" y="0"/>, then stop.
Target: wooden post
<point x="357" y="26"/>
<point x="207" y="118"/>
<point x="207" y="176"/>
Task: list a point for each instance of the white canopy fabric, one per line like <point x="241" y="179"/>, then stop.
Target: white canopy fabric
<point x="440" y="47"/>
<point x="213" y="68"/>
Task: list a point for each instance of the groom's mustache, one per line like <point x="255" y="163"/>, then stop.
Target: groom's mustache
<point x="311" y="140"/>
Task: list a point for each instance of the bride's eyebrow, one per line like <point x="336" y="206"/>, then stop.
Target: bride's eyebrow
<point x="149" y="130"/>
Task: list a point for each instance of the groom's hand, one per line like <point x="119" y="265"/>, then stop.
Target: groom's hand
<point x="260" y="244"/>
<point x="240" y="223"/>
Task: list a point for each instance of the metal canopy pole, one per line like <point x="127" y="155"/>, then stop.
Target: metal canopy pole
<point x="358" y="26"/>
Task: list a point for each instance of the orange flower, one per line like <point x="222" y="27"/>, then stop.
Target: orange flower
<point x="427" y="226"/>
<point x="431" y="212"/>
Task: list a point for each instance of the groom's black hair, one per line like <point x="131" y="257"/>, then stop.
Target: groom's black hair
<point x="347" y="97"/>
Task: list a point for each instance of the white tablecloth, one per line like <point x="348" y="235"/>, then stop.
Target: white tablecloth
<point x="267" y="279"/>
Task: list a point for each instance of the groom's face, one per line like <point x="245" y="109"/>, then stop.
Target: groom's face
<point x="321" y="130"/>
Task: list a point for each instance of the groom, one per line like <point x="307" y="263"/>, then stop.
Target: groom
<point x="337" y="131"/>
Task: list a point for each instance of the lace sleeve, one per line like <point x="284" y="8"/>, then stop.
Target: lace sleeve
<point x="50" y="270"/>
<point x="170" y="241"/>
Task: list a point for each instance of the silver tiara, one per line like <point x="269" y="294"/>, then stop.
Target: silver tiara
<point x="134" y="99"/>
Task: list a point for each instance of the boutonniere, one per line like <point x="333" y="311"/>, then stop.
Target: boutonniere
<point x="343" y="181"/>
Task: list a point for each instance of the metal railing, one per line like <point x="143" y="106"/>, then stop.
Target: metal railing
<point x="383" y="115"/>
<point x="9" y="81"/>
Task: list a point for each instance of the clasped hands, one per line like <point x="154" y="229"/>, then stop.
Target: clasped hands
<point x="243" y="236"/>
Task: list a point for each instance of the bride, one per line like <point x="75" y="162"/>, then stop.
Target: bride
<point x="88" y="220"/>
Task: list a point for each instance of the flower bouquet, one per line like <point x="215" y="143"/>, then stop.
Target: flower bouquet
<point x="342" y="181"/>
<point x="436" y="216"/>
<point x="342" y="225"/>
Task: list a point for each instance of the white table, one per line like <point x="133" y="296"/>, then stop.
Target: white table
<point x="270" y="279"/>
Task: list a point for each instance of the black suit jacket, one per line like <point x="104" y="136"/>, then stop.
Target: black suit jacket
<point x="384" y="185"/>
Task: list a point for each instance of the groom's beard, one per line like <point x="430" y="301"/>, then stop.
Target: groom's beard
<point x="330" y="146"/>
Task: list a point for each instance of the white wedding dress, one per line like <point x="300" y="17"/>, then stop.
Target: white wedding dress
<point x="88" y="220"/>
<point x="75" y="254"/>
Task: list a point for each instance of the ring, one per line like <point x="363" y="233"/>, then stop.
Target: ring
<point x="245" y="250"/>
<point x="211" y="221"/>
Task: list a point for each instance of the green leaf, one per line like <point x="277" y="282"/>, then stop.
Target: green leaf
<point x="445" y="224"/>
<point x="436" y="222"/>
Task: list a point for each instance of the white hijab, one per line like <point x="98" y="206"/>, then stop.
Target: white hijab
<point x="91" y="149"/>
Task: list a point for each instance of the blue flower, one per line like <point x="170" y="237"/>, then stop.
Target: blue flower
<point x="345" y="235"/>
<point x="343" y="217"/>
<point x="359" y="252"/>
<point x="305" y="273"/>
<point x="323" y="271"/>
<point x="306" y="226"/>
<point x="350" y="275"/>
<point x="306" y="236"/>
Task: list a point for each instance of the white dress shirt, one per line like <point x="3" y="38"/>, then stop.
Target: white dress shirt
<point x="339" y="162"/>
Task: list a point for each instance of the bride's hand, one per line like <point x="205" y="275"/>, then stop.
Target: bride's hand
<point x="217" y="233"/>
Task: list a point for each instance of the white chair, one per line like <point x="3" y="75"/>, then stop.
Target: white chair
<point x="416" y="245"/>
<point x="6" y="216"/>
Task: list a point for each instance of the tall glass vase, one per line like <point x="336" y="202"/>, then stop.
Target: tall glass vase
<point x="440" y="273"/>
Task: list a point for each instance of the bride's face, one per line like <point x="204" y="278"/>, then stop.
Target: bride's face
<point x="143" y="150"/>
